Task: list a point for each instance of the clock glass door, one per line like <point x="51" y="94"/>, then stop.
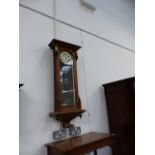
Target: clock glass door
<point x="67" y="80"/>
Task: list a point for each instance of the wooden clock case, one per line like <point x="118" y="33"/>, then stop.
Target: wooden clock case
<point x="65" y="114"/>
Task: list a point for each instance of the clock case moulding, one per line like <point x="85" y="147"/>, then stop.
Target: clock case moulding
<point x="65" y="115"/>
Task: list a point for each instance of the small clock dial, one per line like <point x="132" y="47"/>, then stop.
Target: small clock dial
<point x="65" y="57"/>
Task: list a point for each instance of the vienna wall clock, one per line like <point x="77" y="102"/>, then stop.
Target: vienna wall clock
<point x="67" y="100"/>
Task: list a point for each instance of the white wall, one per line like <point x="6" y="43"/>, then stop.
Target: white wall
<point x="99" y="62"/>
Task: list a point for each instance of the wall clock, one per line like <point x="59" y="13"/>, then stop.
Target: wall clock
<point x="67" y="101"/>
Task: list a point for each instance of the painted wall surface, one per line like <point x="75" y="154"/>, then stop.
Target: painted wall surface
<point x="99" y="62"/>
<point x="113" y="19"/>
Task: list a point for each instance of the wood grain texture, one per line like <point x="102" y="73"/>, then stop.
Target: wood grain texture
<point x="81" y="144"/>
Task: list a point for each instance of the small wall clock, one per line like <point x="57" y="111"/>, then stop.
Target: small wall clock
<point x="67" y="101"/>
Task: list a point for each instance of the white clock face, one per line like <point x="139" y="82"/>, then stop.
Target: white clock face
<point x="65" y="57"/>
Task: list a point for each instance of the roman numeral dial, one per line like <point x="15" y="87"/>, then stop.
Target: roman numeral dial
<point x="65" y="57"/>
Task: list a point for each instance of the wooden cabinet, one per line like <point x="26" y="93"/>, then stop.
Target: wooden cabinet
<point x="120" y="98"/>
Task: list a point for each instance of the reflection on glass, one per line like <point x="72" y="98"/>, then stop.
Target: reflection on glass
<point x="67" y="84"/>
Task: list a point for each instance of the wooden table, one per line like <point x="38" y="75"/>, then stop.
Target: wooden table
<point x="81" y="144"/>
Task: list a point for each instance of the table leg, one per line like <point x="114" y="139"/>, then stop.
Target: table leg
<point x="95" y="152"/>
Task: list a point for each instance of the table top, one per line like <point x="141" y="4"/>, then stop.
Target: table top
<point x="73" y="143"/>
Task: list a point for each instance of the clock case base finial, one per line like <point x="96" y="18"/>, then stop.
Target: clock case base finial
<point x="66" y="117"/>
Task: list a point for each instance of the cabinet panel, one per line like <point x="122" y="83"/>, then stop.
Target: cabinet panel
<point x="120" y="97"/>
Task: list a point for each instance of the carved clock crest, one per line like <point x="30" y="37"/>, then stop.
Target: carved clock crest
<point x="67" y="101"/>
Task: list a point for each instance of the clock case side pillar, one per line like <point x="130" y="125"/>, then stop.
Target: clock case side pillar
<point x="76" y="82"/>
<point x="57" y="98"/>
